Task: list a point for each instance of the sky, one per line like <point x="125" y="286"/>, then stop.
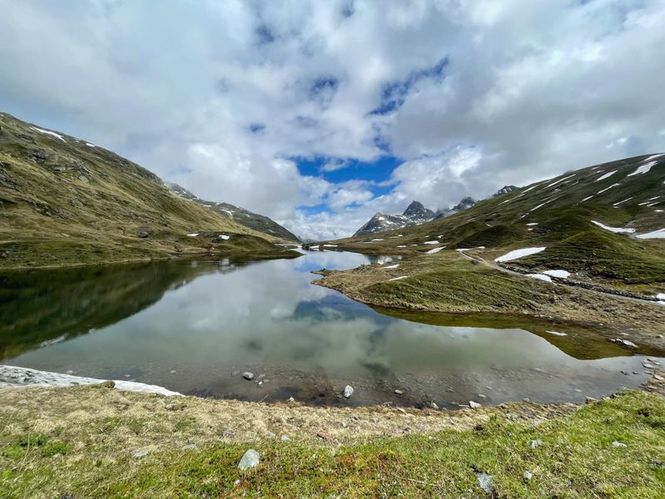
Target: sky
<point x="321" y="113"/>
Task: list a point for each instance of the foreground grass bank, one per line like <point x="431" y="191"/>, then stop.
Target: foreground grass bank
<point x="118" y="444"/>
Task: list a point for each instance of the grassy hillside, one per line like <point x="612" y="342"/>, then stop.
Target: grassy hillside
<point x="559" y="214"/>
<point x="65" y="201"/>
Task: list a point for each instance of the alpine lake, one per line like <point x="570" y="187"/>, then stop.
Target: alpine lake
<point x="196" y="326"/>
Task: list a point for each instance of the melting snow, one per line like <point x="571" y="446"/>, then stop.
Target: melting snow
<point x="224" y="237"/>
<point x="559" y="181"/>
<point x="330" y="246"/>
<point x="532" y="224"/>
<point x="373" y="240"/>
<point x="90" y="145"/>
<point x="642" y="169"/>
<point x="402" y="246"/>
<point x="556" y="333"/>
<point x="621" y="202"/>
<point x="607" y="188"/>
<point x="655" y="156"/>
<point x="48" y="132"/>
<point x="11" y="376"/>
<point x="519" y="253"/>
<point x="193" y="234"/>
<point x="432" y="242"/>
<point x="435" y="250"/>
<point x="616" y="230"/>
<point x="607" y="175"/>
<point x="398" y="278"/>
<point x="587" y="198"/>
<point x="656" y="234"/>
<point x="391" y="266"/>
<point x="314" y="247"/>
<point x="562" y="274"/>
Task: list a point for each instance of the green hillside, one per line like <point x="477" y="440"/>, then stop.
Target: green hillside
<point x="64" y="201"/>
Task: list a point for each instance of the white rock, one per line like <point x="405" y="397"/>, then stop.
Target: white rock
<point x="616" y="443"/>
<point x="527" y="475"/>
<point x="399" y="392"/>
<point x="474" y="405"/>
<point x="248" y="375"/>
<point x="534" y="444"/>
<point x="250" y="459"/>
<point x="485" y="482"/>
<point x="348" y="391"/>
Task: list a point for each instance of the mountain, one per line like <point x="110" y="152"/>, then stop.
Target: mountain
<point x="464" y="204"/>
<point x="66" y="201"/>
<point x="239" y="215"/>
<point x="605" y="223"/>
<point x="414" y="214"/>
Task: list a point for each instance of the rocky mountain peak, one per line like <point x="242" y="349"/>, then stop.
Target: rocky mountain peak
<point x="416" y="209"/>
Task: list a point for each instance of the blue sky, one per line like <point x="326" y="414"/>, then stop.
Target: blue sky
<point x="320" y="114"/>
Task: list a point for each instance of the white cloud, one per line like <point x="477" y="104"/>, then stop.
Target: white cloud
<point x="213" y="95"/>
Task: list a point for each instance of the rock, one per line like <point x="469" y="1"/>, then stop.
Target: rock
<point x="250" y="459"/>
<point x="527" y="475"/>
<point x="534" y="444"/>
<point x="480" y="395"/>
<point x="285" y="438"/>
<point x="590" y="400"/>
<point x="474" y="405"/>
<point x="616" y="443"/>
<point x="348" y="391"/>
<point x="620" y="341"/>
<point x="399" y="392"/>
<point x="291" y="399"/>
<point x="433" y="405"/>
<point x="249" y="376"/>
<point x="143" y="234"/>
<point x="485" y="482"/>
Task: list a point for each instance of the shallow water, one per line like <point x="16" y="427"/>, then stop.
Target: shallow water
<point x="195" y="327"/>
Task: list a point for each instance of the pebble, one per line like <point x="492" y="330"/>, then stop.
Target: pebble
<point x="249" y="376"/>
<point x="527" y="475"/>
<point x="534" y="444"/>
<point x="434" y="405"/>
<point x="348" y="391"/>
<point x="482" y="396"/>
<point x="399" y="392"/>
<point x="616" y="443"/>
<point x="250" y="459"/>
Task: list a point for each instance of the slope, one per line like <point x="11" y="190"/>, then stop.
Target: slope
<point x="65" y="201"/>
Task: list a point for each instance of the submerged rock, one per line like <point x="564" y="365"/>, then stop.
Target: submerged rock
<point x="249" y="376"/>
<point x="399" y="392"/>
<point x="348" y="391"/>
<point x="250" y="459"/>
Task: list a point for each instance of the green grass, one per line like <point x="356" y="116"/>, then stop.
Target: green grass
<point x="576" y="459"/>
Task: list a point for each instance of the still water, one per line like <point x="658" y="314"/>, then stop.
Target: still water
<point x="195" y="327"/>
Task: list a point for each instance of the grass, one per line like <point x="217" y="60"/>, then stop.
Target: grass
<point x="576" y="459"/>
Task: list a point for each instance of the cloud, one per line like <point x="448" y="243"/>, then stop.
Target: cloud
<point x="471" y="95"/>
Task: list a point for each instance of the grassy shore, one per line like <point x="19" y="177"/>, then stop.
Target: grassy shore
<point x="451" y="283"/>
<point x="98" y="442"/>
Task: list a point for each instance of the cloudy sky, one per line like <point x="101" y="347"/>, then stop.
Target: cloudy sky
<point x="320" y="113"/>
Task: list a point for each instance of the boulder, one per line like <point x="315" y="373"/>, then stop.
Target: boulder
<point x="250" y="459"/>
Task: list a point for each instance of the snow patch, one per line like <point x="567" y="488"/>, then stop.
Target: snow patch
<point x="398" y="278"/>
<point x="90" y="145"/>
<point x="607" y="175"/>
<point x="14" y="377"/>
<point x="643" y="169"/>
<point x="607" y="188"/>
<point x="616" y="230"/>
<point x="656" y="234"/>
<point x="561" y="274"/>
<point x="518" y="253"/>
<point x="48" y="132"/>
<point x="224" y="237"/>
<point x="193" y="234"/>
<point x="391" y="266"/>
<point x="556" y="333"/>
<point x="434" y="250"/>
<point x="559" y="181"/>
<point x="432" y="242"/>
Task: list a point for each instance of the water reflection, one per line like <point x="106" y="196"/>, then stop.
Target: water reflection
<point x="194" y="327"/>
